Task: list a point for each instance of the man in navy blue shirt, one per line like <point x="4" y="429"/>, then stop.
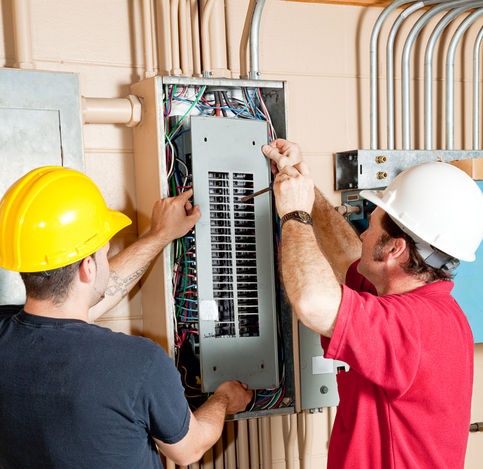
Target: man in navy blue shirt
<point x="73" y="394"/>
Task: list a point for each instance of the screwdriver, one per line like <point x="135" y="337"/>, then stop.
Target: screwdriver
<point x="251" y="196"/>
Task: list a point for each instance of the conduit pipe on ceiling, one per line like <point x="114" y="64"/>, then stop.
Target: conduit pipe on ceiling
<point x="22" y="34"/>
<point x="428" y="66"/>
<point x="476" y="90"/>
<point x="467" y="22"/>
<point x="112" y="110"/>
<point x="205" y="37"/>
<point x="406" y="85"/>
<point x="164" y="37"/>
<point x="291" y="442"/>
<point x="266" y="443"/>
<point x="176" y="70"/>
<point x="374" y="71"/>
<point x="253" y="443"/>
<point x="148" y="39"/>
<point x="390" y="67"/>
<point x="195" y="37"/>
<point x="255" y="40"/>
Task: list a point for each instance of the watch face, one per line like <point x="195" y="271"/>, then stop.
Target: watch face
<point x="304" y="216"/>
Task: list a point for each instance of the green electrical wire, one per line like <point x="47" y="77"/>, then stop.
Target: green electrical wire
<point x="198" y="97"/>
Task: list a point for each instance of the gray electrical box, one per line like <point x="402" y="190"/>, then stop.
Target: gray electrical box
<point x="234" y="252"/>
<point x="40" y="125"/>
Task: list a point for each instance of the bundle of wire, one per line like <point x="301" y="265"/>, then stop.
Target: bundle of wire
<point x="183" y="255"/>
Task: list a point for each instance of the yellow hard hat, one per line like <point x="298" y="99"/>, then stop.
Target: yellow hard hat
<point x="53" y="217"/>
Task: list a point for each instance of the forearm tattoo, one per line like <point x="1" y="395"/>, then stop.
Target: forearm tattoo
<point x="120" y="285"/>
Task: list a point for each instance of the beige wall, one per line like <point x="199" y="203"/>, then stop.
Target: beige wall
<point x="320" y="50"/>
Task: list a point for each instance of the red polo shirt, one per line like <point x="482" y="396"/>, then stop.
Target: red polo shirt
<point x="405" y="403"/>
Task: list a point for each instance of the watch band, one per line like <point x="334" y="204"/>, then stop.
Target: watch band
<point x="298" y="215"/>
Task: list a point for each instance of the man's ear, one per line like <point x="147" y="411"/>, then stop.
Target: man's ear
<point x="87" y="270"/>
<point x="397" y="250"/>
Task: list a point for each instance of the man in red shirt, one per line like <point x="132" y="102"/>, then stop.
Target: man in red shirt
<point x="383" y="304"/>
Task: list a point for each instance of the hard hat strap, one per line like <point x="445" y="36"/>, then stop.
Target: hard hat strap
<point x="431" y="255"/>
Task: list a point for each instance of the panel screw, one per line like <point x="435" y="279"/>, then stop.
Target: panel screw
<point x="324" y="389"/>
<point x="381" y="159"/>
<point x="381" y="175"/>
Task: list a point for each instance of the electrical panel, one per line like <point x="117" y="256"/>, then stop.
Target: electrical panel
<point x="214" y="300"/>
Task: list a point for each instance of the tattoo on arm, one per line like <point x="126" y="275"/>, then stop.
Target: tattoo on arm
<point x="119" y="285"/>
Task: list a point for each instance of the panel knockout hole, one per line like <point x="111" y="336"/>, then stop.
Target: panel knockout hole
<point x="262" y="366"/>
<point x="214" y="368"/>
<point x="205" y="139"/>
<point x="254" y="143"/>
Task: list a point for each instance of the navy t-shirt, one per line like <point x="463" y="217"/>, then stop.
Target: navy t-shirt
<point x="75" y="395"/>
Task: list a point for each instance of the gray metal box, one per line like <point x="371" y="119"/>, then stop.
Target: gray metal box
<point x="234" y="252"/>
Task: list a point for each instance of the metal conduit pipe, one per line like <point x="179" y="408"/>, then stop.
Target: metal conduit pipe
<point x="476" y="90"/>
<point x="406" y="85"/>
<point x="112" y="110"/>
<point x="22" y="34"/>
<point x="253" y="443"/>
<point x="373" y="52"/>
<point x="148" y="40"/>
<point x="390" y="67"/>
<point x="467" y="22"/>
<point x="266" y="443"/>
<point x="195" y="38"/>
<point x="428" y="70"/>
<point x="205" y="37"/>
<point x="255" y="40"/>
<point x="175" y="37"/>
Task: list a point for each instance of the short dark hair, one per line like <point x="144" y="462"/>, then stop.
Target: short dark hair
<point x="53" y="285"/>
<point x="415" y="264"/>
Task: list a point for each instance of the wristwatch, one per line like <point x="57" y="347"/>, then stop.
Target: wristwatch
<point x="299" y="215"/>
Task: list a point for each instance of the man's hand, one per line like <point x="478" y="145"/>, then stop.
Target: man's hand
<point x="282" y="153"/>
<point x="294" y="190"/>
<point x="236" y="394"/>
<point x="173" y="217"/>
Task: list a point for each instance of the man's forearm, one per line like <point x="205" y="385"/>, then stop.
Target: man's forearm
<point x="126" y="268"/>
<point x="335" y="236"/>
<point x="211" y="416"/>
<point x="310" y="282"/>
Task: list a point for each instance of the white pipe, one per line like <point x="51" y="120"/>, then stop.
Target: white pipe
<point x="170" y="464"/>
<point x="184" y="43"/>
<point x="218" y="454"/>
<point x="195" y="38"/>
<point x="291" y="442"/>
<point x="218" y="40"/>
<point x="242" y="445"/>
<point x="175" y="38"/>
<point x="308" y="441"/>
<point x="244" y="41"/>
<point x="22" y="34"/>
<point x="205" y="37"/>
<point x="266" y="444"/>
<point x="253" y="440"/>
<point x="164" y="38"/>
<point x="112" y="110"/>
<point x="208" y="459"/>
<point x="148" y="40"/>
<point x="230" y="450"/>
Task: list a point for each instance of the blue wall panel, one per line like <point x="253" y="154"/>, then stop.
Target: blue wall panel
<point x="468" y="289"/>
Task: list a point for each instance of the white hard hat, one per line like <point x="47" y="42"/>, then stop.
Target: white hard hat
<point x="438" y="205"/>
